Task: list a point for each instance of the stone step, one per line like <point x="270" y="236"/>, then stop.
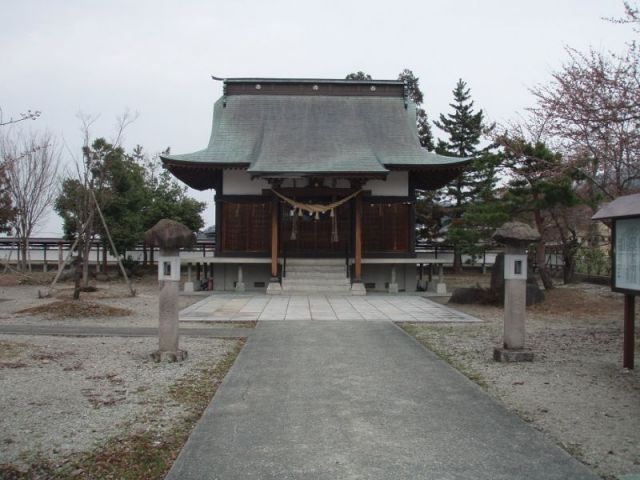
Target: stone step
<point x="316" y="268"/>
<point x="315" y="274"/>
<point x="323" y="289"/>
<point x="316" y="281"/>
<point x="315" y="261"/>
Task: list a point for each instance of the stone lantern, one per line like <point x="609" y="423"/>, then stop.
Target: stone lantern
<point x="515" y="236"/>
<point x="169" y="236"/>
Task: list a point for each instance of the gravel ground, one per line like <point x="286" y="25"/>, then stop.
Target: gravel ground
<point x="65" y="395"/>
<point x="575" y="390"/>
<point x="144" y="304"/>
<point x="61" y="395"/>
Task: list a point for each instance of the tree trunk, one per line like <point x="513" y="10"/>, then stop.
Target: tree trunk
<point x="569" y="270"/>
<point x="77" y="275"/>
<point x="541" y="260"/>
<point x="28" y="251"/>
<point x="569" y="252"/>
<point x="144" y="254"/>
<point x="23" y="255"/>
<point x="457" y="260"/>
<point x="541" y="255"/>
<point x="86" y="249"/>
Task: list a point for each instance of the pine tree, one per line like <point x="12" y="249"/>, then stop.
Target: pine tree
<point x="415" y="94"/>
<point x="359" y="75"/>
<point x="465" y="128"/>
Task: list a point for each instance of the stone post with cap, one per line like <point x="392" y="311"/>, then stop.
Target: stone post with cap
<point x="515" y="236"/>
<point x="169" y="236"/>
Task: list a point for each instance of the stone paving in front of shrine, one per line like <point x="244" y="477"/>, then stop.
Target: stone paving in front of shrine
<point x="247" y="307"/>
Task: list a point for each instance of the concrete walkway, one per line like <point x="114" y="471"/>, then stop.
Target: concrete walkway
<point x="358" y="400"/>
<point x="399" y="308"/>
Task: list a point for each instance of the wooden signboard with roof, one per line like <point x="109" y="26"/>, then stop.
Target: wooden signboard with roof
<point x="624" y="214"/>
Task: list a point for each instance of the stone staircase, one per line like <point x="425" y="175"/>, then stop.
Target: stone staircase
<point x="318" y="275"/>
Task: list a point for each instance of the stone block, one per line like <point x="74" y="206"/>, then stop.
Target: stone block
<point x="505" y="355"/>
<point x="241" y="288"/>
<point x="439" y="288"/>
<point x="188" y="287"/>
<point x="357" y="288"/>
<point x="393" y="288"/>
<point x="465" y="296"/>
<point x="170" y="357"/>
<point x="274" y="288"/>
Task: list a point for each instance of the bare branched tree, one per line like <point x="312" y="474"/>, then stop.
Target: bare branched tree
<point x="592" y="107"/>
<point x="30" y="115"/>
<point x="78" y="200"/>
<point x="31" y="163"/>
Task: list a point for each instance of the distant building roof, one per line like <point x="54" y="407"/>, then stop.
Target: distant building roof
<point x="295" y="127"/>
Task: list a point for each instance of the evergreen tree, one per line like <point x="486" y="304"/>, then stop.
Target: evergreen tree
<point x="465" y="128"/>
<point x="133" y="195"/>
<point x="541" y="188"/>
<point x="165" y="197"/>
<point x="422" y="121"/>
<point x="359" y="75"/>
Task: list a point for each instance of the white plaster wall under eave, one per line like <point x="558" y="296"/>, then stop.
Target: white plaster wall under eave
<point x="239" y="182"/>
<point x="396" y="184"/>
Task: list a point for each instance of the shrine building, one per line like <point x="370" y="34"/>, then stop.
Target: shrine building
<point x="315" y="184"/>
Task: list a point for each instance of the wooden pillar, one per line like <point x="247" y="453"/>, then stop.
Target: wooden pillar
<point x="629" y="326"/>
<point x="358" y="241"/>
<point x="274" y="238"/>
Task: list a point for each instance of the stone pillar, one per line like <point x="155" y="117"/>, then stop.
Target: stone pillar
<point x="168" y="307"/>
<point x="438" y="287"/>
<point x="188" y="285"/>
<point x="239" y="283"/>
<point x="393" y="284"/>
<point x="169" y="236"/>
<point x="44" y="265"/>
<point x="515" y="297"/>
<point x="515" y="236"/>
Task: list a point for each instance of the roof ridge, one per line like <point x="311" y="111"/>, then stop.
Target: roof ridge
<point x="311" y="80"/>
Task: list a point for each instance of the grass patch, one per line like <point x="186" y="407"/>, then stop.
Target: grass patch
<point x="141" y="455"/>
<point x="11" y="350"/>
<point x="75" y="309"/>
<point x="428" y="336"/>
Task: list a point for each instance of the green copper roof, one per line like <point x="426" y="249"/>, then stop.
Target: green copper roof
<point x="299" y="134"/>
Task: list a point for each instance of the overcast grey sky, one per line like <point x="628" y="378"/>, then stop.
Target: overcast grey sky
<point x="156" y="57"/>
